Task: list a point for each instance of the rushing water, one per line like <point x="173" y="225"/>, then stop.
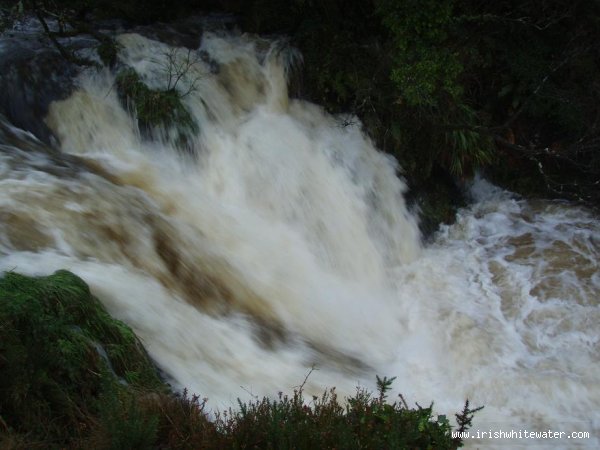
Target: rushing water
<point x="279" y="240"/>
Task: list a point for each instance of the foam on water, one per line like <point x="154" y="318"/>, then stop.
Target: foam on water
<point x="510" y="298"/>
<point x="284" y="242"/>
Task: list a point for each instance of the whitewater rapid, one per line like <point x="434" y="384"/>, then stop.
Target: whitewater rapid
<point x="279" y="240"/>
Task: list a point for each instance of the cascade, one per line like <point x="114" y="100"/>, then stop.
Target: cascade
<point x="274" y="238"/>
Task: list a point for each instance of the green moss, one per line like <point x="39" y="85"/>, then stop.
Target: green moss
<point x="156" y="109"/>
<point x="60" y="353"/>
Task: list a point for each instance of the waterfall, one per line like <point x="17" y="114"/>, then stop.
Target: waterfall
<point x="277" y="239"/>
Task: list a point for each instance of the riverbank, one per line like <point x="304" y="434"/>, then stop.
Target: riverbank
<point x="72" y="377"/>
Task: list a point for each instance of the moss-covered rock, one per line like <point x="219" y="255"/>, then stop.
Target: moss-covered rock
<point x="156" y="109"/>
<point x="62" y="358"/>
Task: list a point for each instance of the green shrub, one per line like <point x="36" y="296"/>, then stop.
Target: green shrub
<point x="366" y="422"/>
<point x="123" y="423"/>
<point x="156" y="109"/>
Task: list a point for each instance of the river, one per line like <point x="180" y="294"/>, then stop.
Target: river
<point x="278" y="240"/>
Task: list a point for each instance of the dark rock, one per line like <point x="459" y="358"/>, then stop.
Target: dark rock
<point x="32" y="75"/>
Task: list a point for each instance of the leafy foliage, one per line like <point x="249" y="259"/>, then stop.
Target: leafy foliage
<point x="426" y="66"/>
<point x="364" y="422"/>
<point x="451" y="86"/>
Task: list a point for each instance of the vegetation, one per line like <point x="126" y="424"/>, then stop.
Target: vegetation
<point x="156" y="109"/>
<point x="72" y="377"/>
<point x="365" y="422"/>
<point x="448" y="87"/>
<point x="451" y="86"/>
<point x="62" y="357"/>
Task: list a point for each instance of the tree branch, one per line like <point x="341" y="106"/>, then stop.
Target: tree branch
<point x="63" y="52"/>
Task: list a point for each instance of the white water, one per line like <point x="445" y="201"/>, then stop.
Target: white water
<point x="286" y="244"/>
